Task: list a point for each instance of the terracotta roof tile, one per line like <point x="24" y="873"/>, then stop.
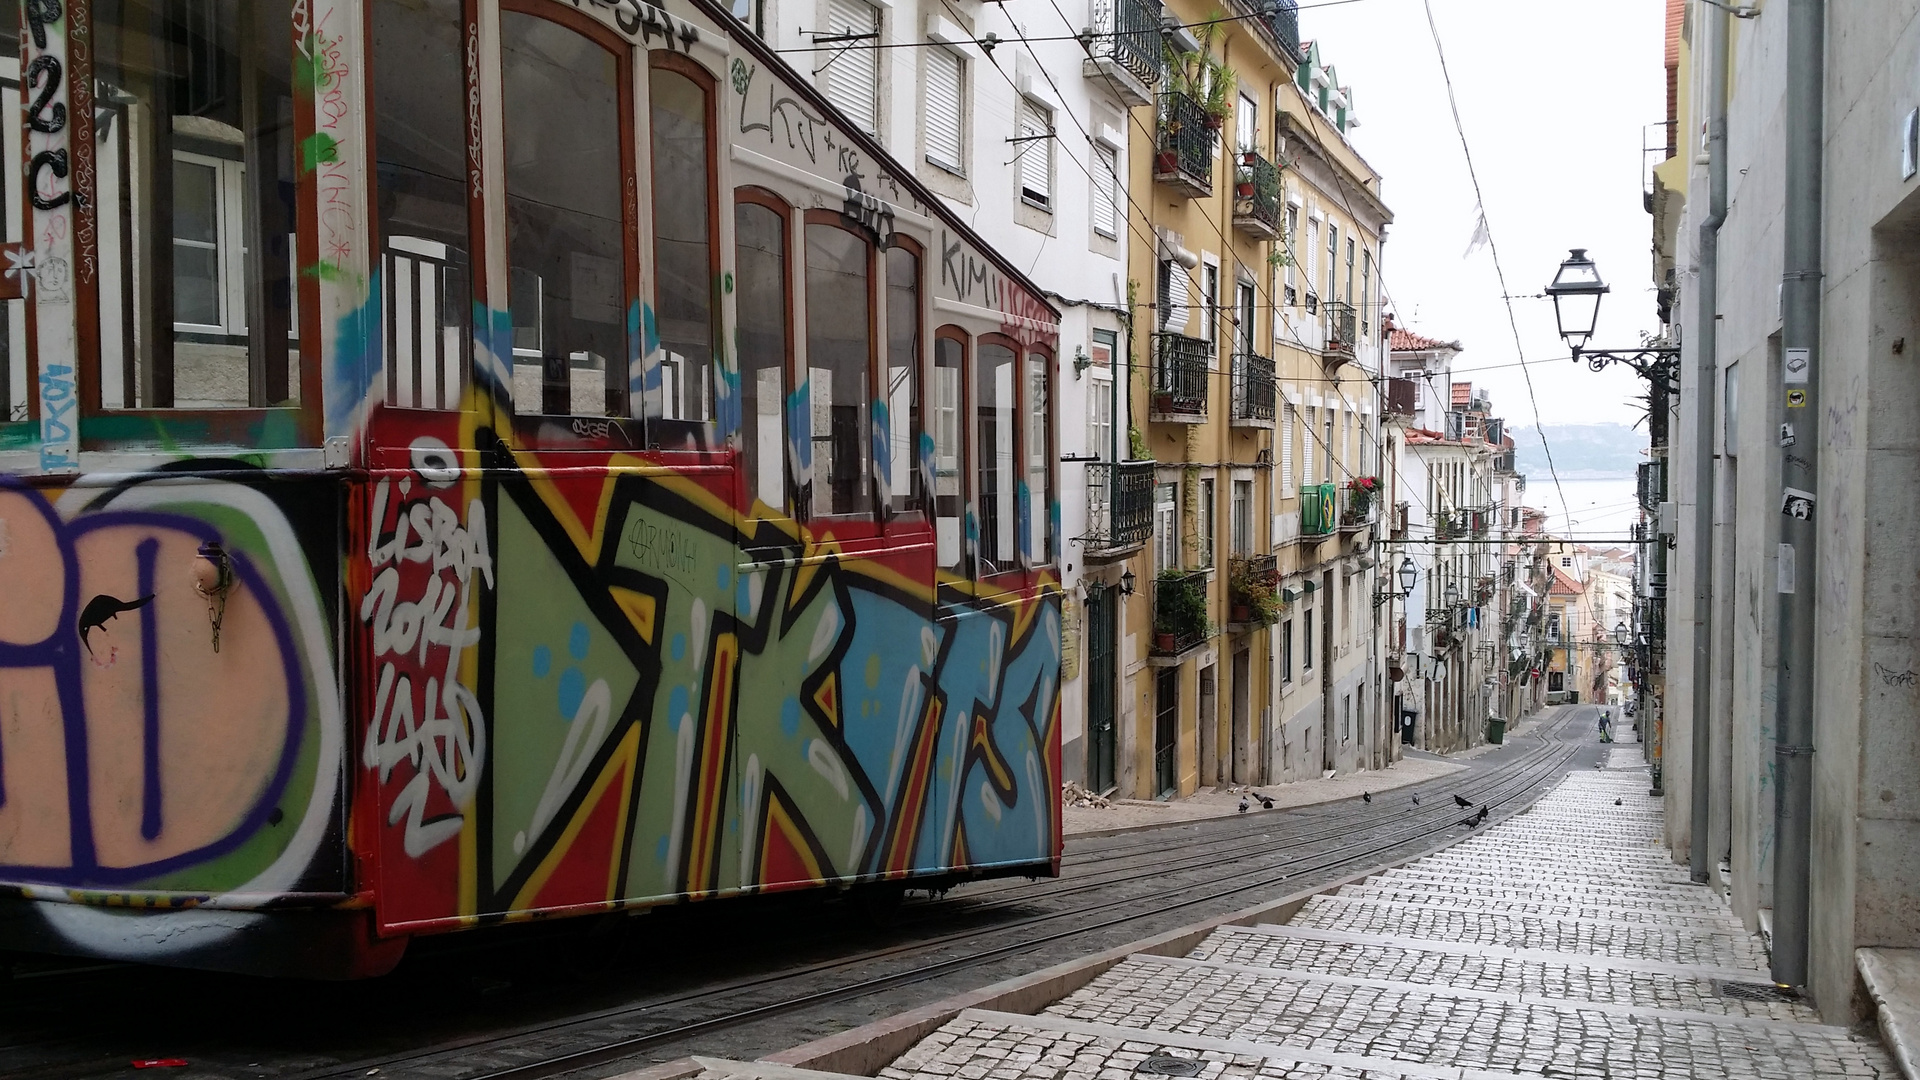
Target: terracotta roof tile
<point x="1408" y="341"/>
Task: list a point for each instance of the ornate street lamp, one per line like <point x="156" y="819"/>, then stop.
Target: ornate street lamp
<point x="1408" y="574"/>
<point x="1576" y="291"/>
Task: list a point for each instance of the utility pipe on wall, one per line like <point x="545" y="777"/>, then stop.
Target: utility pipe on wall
<point x="1800" y="373"/>
<point x="1707" y="335"/>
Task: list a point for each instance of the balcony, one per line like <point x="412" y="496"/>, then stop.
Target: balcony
<point x="1183" y="158"/>
<point x="1403" y="397"/>
<point x="1319" y="510"/>
<point x="1253" y="592"/>
<point x="1254" y="391"/>
<point x="1283" y="22"/>
<point x="1119" y="509"/>
<point x="1256" y="197"/>
<point x="1342" y="323"/>
<point x="1180" y="620"/>
<point x="1358" y="501"/>
<point x="1124" y="54"/>
<point x="1179" y="379"/>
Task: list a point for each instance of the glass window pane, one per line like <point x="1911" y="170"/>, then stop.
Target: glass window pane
<point x="949" y="359"/>
<point x="903" y="380"/>
<point x="839" y="351"/>
<point x="564" y="219"/>
<point x="760" y="272"/>
<point x="684" y="270"/>
<point x="194" y="167"/>
<point x="1039" y="480"/>
<point x="993" y="442"/>
<point x="419" y="94"/>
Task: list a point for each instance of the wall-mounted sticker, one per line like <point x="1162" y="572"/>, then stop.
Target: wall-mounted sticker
<point x="1784" y="562"/>
<point x="1798" y="363"/>
<point x="1786" y="435"/>
<point x="1796" y="399"/>
<point x="1797" y="504"/>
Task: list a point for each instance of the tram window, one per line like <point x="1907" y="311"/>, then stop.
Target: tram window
<point x="903" y="379"/>
<point x="195" y="173"/>
<point x="420" y="128"/>
<point x="684" y="270"/>
<point x="565" y="171"/>
<point x="1039" y="474"/>
<point x="760" y="294"/>
<point x="13" y="313"/>
<point x="949" y="501"/>
<point x="993" y="390"/>
<point x="839" y="352"/>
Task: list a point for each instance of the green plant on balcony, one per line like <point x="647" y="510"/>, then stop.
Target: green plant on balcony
<point x="1137" y="445"/>
<point x="1361" y="493"/>
<point x="1180" y="610"/>
<point x="1198" y="74"/>
<point x="1253" y="594"/>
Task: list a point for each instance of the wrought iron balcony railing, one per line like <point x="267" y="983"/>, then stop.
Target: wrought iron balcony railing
<point x="1257" y="197"/>
<point x="1253" y="589"/>
<point x="1341" y="324"/>
<point x="1184" y="155"/>
<point x="1283" y="20"/>
<point x="1180" y="378"/>
<point x="1253" y="388"/>
<point x="1126" y="47"/>
<point x="1180" y="620"/>
<point x="1119" y="506"/>
<point x="1319" y="509"/>
<point x="1357" y="506"/>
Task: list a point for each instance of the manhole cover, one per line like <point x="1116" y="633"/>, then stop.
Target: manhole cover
<point x="1168" y="1065"/>
<point x="1755" y="991"/>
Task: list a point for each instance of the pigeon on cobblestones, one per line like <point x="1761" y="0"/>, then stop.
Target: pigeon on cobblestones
<point x="1471" y="823"/>
<point x="1243" y="804"/>
<point x="1366" y="796"/>
<point x="1266" y="801"/>
<point x="1416" y="800"/>
<point x="1482" y="817"/>
<point x="1616" y="802"/>
<point x="1458" y="801"/>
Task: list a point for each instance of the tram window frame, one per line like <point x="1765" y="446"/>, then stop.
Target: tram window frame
<point x="1009" y="561"/>
<point x="293" y="422"/>
<point x="677" y="433"/>
<point x="388" y="253"/>
<point x="1040" y="415"/>
<point x="792" y="235"/>
<point x="537" y="429"/>
<point x="914" y="508"/>
<point x="937" y="426"/>
<point x="867" y="502"/>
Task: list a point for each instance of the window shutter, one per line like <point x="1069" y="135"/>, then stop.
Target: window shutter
<point x="1306" y="452"/>
<point x="1036" y="156"/>
<point x="943" y="107"/>
<point x="1105" y="191"/>
<point x="1286" y="452"/>
<point x="853" y="76"/>
<point x="1174" y="318"/>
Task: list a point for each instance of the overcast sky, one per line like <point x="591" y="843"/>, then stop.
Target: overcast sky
<point x="1556" y="97"/>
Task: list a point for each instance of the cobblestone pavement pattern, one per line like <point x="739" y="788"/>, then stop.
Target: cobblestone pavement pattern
<point x="1561" y="943"/>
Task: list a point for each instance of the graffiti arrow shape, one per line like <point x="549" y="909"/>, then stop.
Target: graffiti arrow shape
<point x="102" y="608"/>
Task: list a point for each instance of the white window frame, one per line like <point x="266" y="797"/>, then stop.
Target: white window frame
<point x="1166" y="526"/>
<point x="229" y="208"/>
<point x="1106" y="181"/>
<point x="1287" y="481"/>
<point x="833" y="28"/>
<point x="936" y="52"/>
<point x="1034" y="122"/>
<point x="1099" y="412"/>
<point x="1209" y="523"/>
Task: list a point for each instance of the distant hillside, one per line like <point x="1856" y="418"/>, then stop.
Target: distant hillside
<point x="1581" y="451"/>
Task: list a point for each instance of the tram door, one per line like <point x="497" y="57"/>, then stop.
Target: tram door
<point x="1102" y="686"/>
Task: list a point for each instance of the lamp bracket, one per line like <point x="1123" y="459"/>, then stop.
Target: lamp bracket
<point x="1653" y="363"/>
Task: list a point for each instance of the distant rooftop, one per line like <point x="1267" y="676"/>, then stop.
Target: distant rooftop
<point x="1408" y="341"/>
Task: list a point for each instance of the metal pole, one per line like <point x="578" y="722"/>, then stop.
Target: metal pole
<point x="1707" y="336"/>
<point x="1800" y="338"/>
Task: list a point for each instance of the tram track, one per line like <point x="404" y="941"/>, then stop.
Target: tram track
<point x="1338" y="838"/>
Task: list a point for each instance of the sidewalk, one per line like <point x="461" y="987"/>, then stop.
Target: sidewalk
<point x="1562" y="942"/>
<point x="1128" y="814"/>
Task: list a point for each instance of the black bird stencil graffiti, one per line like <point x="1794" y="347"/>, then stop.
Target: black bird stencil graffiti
<point x="100" y="610"/>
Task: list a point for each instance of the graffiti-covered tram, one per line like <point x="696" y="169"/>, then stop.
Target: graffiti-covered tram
<point x="470" y="460"/>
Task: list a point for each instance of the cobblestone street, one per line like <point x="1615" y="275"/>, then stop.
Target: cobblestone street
<point x="1560" y="942"/>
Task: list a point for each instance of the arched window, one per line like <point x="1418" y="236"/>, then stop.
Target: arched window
<point x="839" y="363"/>
<point x="685" y="268"/>
<point x="904" y="493"/>
<point x="996" y="464"/>
<point x="946" y="449"/>
<point x="765" y="316"/>
<point x="567" y="101"/>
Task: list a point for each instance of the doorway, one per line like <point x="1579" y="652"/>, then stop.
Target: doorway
<point x="1102" y="688"/>
<point x="1166" y="729"/>
<point x="1207" y="728"/>
<point x="1242" y="702"/>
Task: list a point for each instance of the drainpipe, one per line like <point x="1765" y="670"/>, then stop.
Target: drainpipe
<point x="1708" y="336"/>
<point x="1798" y="573"/>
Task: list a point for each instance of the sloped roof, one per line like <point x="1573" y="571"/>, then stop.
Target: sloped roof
<point x="1462" y="393"/>
<point x="1565" y="584"/>
<point x="1408" y="341"/>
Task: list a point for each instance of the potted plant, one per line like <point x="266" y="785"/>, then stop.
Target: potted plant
<point x="1179" y="610"/>
<point x="1166" y="161"/>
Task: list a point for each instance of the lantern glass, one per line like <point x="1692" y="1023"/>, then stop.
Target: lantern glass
<point x="1576" y="293"/>
<point x="1409" y="575"/>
